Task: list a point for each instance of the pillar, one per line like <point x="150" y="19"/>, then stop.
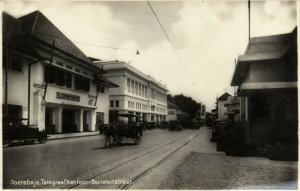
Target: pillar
<point x="38" y="117"/>
<point x="57" y="115"/>
<point x="79" y="120"/>
<point x="91" y="119"/>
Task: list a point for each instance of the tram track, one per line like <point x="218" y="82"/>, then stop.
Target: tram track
<point x="157" y="148"/>
<point x="144" y="173"/>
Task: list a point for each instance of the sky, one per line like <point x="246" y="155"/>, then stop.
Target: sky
<point x="207" y="36"/>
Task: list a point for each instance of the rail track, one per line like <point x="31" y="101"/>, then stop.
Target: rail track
<point x="139" y="176"/>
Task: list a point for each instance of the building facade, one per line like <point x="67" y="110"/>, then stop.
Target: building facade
<point x="138" y="93"/>
<point x="266" y="76"/>
<point x="233" y="108"/>
<point x="47" y="81"/>
<point x="221" y="108"/>
<point x="175" y="113"/>
<point x="201" y="113"/>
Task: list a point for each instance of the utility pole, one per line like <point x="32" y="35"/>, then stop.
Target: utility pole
<point x="249" y="8"/>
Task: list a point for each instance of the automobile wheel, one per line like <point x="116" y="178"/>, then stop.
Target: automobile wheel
<point x="6" y="143"/>
<point x="42" y="140"/>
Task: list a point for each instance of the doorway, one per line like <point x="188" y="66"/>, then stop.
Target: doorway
<point x="68" y="121"/>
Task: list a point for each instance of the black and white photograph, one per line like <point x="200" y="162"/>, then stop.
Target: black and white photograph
<point x="150" y="95"/>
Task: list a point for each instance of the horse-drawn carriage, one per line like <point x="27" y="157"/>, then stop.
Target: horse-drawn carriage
<point x="115" y="132"/>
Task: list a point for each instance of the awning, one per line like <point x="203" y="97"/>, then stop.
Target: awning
<point x="247" y="88"/>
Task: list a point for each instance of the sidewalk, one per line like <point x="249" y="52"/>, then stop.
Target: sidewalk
<point x="71" y="135"/>
<point x="84" y="134"/>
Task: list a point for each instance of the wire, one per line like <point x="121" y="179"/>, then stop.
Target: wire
<point x="89" y="44"/>
<point x="179" y="59"/>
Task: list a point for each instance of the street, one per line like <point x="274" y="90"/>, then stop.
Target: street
<point x="163" y="160"/>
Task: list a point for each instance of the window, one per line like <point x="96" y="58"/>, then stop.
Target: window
<point x="99" y="117"/>
<point x="132" y="87"/>
<point x="101" y="89"/>
<point x="49" y="75"/>
<point x="140" y="90"/>
<point x="59" y="63"/>
<point x="117" y="103"/>
<point x="146" y="92"/>
<point x="60" y="77"/>
<point x="70" y="67"/>
<point x="136" y="88"/>
<point x="81" y="83"/>
<point x="128" y="85"/>
<point x="77" y="70"/>
<point x="68" y="80"/>
<point x="129" y="104"/>
<point x="14" y="64"/>
<point x="111" y="103"/>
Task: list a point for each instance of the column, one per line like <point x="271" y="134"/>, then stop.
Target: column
<point x="38" y="117"/>
<point x="91" y="120"/>
<point x="57" y="115"/>
<point x="79" y="120"/>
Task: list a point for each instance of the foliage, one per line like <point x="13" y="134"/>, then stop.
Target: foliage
<point x="187" y="104"/>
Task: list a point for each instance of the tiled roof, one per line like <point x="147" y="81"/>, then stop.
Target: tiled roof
<point x="36" y="26"/>
<point x="264" y="48"/>
<point x="172" y="105"/>
<point x="224" y="97"/>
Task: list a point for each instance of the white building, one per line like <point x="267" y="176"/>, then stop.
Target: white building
<point x="138" y="93"/>
<point x="222" y="109"/>
<point x="175" y="113"/>
<point x="49" y="82"/>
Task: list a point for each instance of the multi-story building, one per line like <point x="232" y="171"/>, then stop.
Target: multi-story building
<point x="138" y="93"/>
<point x="49" y="82"/>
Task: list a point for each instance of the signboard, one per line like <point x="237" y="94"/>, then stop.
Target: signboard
<point x="69" y="97"/>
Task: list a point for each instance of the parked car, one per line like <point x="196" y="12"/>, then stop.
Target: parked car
<point x="174" y="125"/>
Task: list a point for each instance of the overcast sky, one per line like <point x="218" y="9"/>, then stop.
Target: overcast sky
<point x="208" y="36"/>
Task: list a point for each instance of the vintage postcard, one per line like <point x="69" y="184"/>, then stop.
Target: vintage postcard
<point x="155" y="95"/>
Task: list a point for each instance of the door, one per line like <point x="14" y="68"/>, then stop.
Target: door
<point x="68" y="121"/>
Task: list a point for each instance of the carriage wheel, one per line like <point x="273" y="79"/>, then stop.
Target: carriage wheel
<point x="137" y="139"/>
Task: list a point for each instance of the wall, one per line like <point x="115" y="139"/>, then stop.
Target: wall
<point x="221" y="110"/>
<point x="173" y="116"/>
<point x="265" y="72"/>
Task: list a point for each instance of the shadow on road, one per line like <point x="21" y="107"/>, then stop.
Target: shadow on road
<point x="120" y="145"/>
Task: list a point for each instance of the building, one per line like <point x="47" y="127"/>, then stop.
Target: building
<point x="221" y="108"/>
<point x="138" y="93"/>
<point x="47" y="81"/>
<point x="175" y="113"/>
<point x="201" y="113"/>
<point x="266" y="76"/>
<point x="233" y="108"/>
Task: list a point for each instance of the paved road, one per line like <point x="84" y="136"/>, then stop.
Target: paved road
<point x="163" y="160"/>
<point x="48" y="165"/>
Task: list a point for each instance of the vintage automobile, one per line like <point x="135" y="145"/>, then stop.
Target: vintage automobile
<point x="115" y="132"/>
<point x="13" y="130"/>
<point x="174" y="125"/>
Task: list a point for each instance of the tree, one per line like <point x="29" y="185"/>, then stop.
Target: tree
<point x="187" y="104"/>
